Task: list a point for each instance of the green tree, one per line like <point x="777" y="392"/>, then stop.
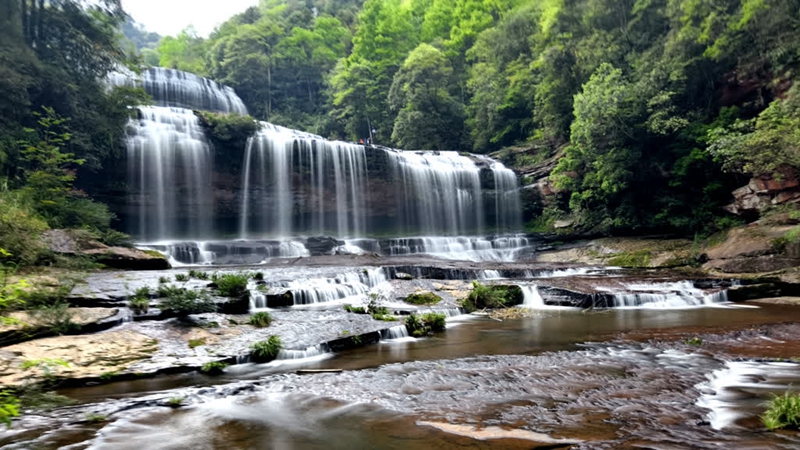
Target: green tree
<point x="427" y="115"/>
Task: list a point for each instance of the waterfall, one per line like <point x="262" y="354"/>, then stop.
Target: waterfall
<point x="399" y="332"/>
<point x="169" y="164"/>
<point x="274" y="180"/>
<point x="667" y="295"/>
<point x="347" y="285"/>
<point x="174" y="88"/>
<point x="437" y="192"/>
<point x="531" y="297"/>
<point x="507" y="208"/>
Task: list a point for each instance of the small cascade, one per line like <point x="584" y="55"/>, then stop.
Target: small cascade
<point x="314" y="351"/>
<point x="324" y="290"/>
<point x="489" y="274"/>
<point x="169" y="165"/>
<point x="175" y="88"/>
<point x="396" y="333"/>
<point x="272" y="186"/>
<point x="666" y="295"/>
<point x="508" y="212"/>
<point x="531" y="297"/>
<point x="192" y="253"/>
<point x="501" y="249"/>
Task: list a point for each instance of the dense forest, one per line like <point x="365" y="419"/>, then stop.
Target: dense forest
<point x="649" y="111"/>
<point x="652" y="106"/>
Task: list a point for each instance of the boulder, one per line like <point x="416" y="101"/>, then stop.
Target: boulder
<point x="322" y="245"/>
<point x="128" y="258"/>
<point x="81" y="243"/>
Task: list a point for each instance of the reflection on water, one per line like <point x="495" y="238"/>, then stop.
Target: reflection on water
<point x="614" y="395"/>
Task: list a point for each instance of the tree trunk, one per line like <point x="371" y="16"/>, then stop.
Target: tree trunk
<point x="32" y="30"/>
<point x="40" y="25"/>
<point x="24" y="17"/>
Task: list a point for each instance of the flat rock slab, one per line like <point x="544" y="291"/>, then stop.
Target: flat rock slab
<point x="794" y="301"/>
<point x="80" y="316"/>
<point x="86" y="356"/>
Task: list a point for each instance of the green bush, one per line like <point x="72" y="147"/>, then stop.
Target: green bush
<point x="181" y="277"/>
<point x="197" y="274"/>
<point x="20" y="228"/>
<point x="428" y="323"/>
<point x="486" y="296"/>
<point x="355" y="309"/>
<point x="258" y="276"/>
<point x="265" y="351"/>
<point x="163" y="280"/>
<point x="783" y="412"/>
<point x="143" y="291"/>
<point x="260" y="319"/>
<point x="9" y="407"/>
<point x="423" y="298"/>
<point x="56" y="317"/>
<point x="233" y="285"/>
<point x="139" y="305"/>
<point x="183" y="302"/>
<point x="213" y="368"/>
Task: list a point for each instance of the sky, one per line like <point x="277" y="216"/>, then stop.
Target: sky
<point x="169" y="17"/>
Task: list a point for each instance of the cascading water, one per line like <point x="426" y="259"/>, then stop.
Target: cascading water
<point x="345" y="286"/>
<point x="169" y="163"/>
<point x="272" y="180"/>
<point x="667" y="295"/>
<point x="174" y="88"/>
<point x="297" y="184"/>
<point x="437" y="192"/>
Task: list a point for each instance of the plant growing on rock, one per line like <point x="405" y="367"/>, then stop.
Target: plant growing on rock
<point x="265" y="351"/>
<point x="423" y="298"/>
<point x="175" y="402"/>
<point x="139" y="305"/>
<point x="260" y="319"/>
<point x="198" y="274"/>
<point x="483" y="296"/>
<point x="184" y="302"/>
<point x="258" y="276"/>
<point x="426" y="324"/>
<point x="783" y="412"/>
<point x="233" y="285"/>
<point x="181" y="277"/>
<point x="213" y="368"/>
<point x="56" y="317"/>
<point x="9" y="407"/>
<point x="163" y="280"/>
<point x="196" y="342"/>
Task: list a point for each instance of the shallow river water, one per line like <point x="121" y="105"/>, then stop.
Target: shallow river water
<point x="562" y="379"/>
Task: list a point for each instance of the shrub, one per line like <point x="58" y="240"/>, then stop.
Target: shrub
<point x="428" y="323"/>
<point x="183" y="302"/>
<point x="260" y="319"/>
<point x="483" y="296"/>
<point x="233" y="285"/>
<point x="165" y="290"/>
<point x="181" y="277"/>
<point x="20" y="228"/>
<point x="9" y="407"/>
<point x="96" y="418"/>
<point x="56" y="317"/>
<point x="163" y="280"/>
<point x="213" y="368"/>
<point x="258" y="276"/>
<point x="423" y="298"/>
<point x="783" y="412"/>
<point x="355" y="309"/>
<point x="139" y="305"/>
<point x="143" y="291"/>
<point x="434" y="321"/>
<point x="265" y="351"/>
<point x="695" y="341"/>
<point x="175" y="402"/>
<point x="200" y="275"/>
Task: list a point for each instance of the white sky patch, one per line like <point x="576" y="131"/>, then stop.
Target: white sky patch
<point x="169" y="17"/>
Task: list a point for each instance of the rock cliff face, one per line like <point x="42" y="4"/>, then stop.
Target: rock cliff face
<point x="765" y="191"/>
